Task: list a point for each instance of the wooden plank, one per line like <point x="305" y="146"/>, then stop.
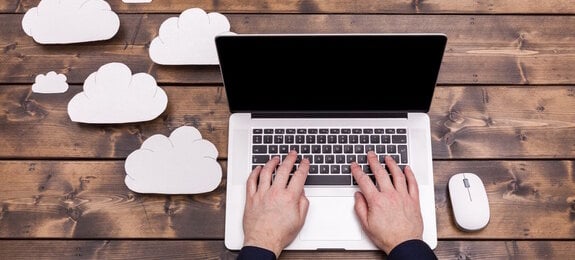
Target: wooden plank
<point x="179" y="249"/>
<point x="334" y="6"/>
<point x="467" y="122"/>
<point x="88" y="199"/>
<point x="498" y="49"/>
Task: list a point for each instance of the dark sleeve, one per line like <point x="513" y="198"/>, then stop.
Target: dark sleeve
<point x="412" y="249"/>
<point x="256" y="253"/>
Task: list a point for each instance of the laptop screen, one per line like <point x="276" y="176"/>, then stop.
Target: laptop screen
<point x="330" y="73"/>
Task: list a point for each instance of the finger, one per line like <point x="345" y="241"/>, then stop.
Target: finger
<point x="381" y="175"/>
<point x="396" y="174"/>
<point x="363" y="181"/>
<point x="297" y="181"/>
<point x="361" y="209"/>
<point x="412" y="187"/>
<point x="266" y="173"/>
<point x="283" y="172"/>
<point x="252" y="182"/>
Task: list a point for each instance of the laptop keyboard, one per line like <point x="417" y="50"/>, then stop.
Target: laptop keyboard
<point x="330" y="150"/>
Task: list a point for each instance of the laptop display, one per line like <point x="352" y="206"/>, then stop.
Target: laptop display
<point x="331" y="97"/>
<point x="332" y="73"/>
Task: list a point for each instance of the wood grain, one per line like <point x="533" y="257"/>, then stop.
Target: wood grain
<point x="333" y="6"/>
<point x="186" y="249"/>
<point x="88" y="199"/>
<point x="467" y="122"/>
<point x="498" y="49"/>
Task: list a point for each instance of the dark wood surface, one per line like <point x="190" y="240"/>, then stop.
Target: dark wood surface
<point x="504" y="108"/>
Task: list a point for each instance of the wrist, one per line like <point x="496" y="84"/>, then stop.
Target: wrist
<point x="268" y="245"/>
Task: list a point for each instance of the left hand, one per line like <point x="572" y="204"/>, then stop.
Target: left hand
<point x="275" y="211"/>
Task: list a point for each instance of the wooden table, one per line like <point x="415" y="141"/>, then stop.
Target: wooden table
<point x="504" y="108"/>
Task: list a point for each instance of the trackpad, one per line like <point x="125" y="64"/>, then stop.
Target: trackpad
<point x="331" y="218"/>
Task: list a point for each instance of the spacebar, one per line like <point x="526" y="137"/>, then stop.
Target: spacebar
<point x="328" y="180"/>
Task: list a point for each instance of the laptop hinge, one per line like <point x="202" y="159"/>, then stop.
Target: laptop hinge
<point x="329" y="115"/>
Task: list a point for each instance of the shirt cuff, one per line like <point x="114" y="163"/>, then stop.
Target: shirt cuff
<point x="256" y="253"/>
<point x="412" y="249"/>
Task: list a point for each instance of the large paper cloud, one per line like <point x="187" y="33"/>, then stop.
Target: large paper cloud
<point x="184" y="163"/>
<point x="71" y="21"/>
<point x="114" y="95"/>
<point x="189" y="39"/>
<point x="50" y="83"/>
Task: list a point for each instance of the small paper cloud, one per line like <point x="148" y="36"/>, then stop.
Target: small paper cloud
<point x="70" y="21"/>
<point x="50" y="83"/>
<point x="189" y="39"/>
<point x="114" y="95"/>
<point x="184" y="163"/>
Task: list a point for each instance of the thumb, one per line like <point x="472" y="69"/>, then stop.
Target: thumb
<point x="361" y="208"/>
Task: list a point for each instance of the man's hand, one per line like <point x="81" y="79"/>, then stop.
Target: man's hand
<point x="389" y="213"/>
<point x="275" y="211"/>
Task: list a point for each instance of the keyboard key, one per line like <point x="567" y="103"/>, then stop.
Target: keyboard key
<point x="399" y="139"/>
<point x="260" y="158"/>
<point x="259" y="149"/>
<point x="257" y="131"/>
<point x="328" y="180"/>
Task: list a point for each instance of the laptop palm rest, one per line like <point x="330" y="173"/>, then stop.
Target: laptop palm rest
<point x="331" y="218"/>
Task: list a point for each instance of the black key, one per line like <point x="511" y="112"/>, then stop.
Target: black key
<point x="310" y="139"/>
<point x="332" y="139"/>
<point x="379" y="131"/>
<point x="260" y="158"/>
<point x="329" y="158"/>
<point x="313" y="169"/>
<point x="372" y="177"/>
<point x="380" y="148"/>
<point x="273" y="149"/>
<point x="390" y="131"/>
<point x="361" y="158"/>
<point x="402" y="131"/>
<point x="318" y="158"/>
<point x="324" y="168"/>
<point x="305" y="149"/>
<point x="334" y="169"/>
<point x="284" y="149"/>
<point x="289" y="139"/>
<point x="342" y="139"/>
<point x="346" y="131"/>
<point x="279" y="131"/>
<point x="358" y="148"/>
<point x="350" y="158"/>
<point x="374" y="139"/>
<point x="337" y="148"/>
<point x="312" y="131"/>
<point x="257" y="131"/>
<point x="353" y="139"/>
<point x="259" y="149"/>
<point x="345" y="169"/>
<point x="268" y="139"/>
<point x="278" y="139"/>
<point x="402" y="150"/>
<point x="385" y="139"/>
<point x="321" y="139"/>
<point x="316" y="148"/>
<point x="340" y="158"/>
<point x="356" y="131"/>
<point x="290" y="131"/>
<point x="328" y="180"/>
<point x="301" y="131"/>
<point x="399" y="139"/>
<point x="324" y="131"/>
<point x="268" y="131"/>
<point x="326" y="148"/>
<point x="364" y="139"/>
<point x="334" y="131"/>
<point x="348" y="148"/>
<point x="391" y="149"/>
<point x="300" y="139"/>
<point x="257" y="139"/>
<point x="294" y="148"/>
<point x="368" y="131"/>
<point x="309" y="157"/>
<point x="369" y="147"/>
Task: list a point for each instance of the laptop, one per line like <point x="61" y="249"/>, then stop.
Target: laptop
<point x="306" y="91"/>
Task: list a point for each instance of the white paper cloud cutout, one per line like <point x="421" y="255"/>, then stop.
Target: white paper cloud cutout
<point x="189" y="39"/>
<point x="184" y="163"/>
<point x="70" y="21"/>
<point x="113" y="95"/>
<point x="50" y="83"/>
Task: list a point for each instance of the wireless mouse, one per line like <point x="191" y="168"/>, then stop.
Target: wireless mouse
<point x="469" y="201"/>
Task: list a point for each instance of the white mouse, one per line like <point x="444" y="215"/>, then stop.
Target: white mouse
<point x="469" y="201"/>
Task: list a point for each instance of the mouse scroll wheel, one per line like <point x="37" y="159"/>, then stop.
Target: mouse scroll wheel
<point x="466" y="183"/>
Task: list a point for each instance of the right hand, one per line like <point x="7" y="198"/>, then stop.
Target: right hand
<point x="389" y="212"/>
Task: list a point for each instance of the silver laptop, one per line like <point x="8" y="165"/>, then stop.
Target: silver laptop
<point x="332" y="97"/>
